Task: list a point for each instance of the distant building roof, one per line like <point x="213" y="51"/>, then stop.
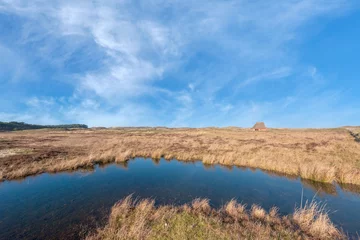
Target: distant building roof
<point x="259" y="125"/>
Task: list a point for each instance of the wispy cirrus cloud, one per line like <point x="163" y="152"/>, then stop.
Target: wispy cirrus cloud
<point x="279" y="73"/>
<point x="176" y="60"/>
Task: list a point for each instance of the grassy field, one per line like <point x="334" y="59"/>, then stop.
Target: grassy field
<point x="142" y="220"/>
<point x="324" y="155"/>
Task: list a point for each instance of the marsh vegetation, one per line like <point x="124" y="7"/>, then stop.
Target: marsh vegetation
<point x="132" y="219"/>
<point x="324" y="155"/>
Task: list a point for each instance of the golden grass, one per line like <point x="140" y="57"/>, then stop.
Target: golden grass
<point x="324" y="155"/>
<point x="131" y="219"/>
<point x="13" y="151"/>
<point x="313" y="218"/>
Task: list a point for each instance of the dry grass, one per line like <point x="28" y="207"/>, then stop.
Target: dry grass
<point x="257" y="212"/>
<point x="131" y="219"/>
<point x="313" y="218"/>
<point x="13" y="151"/>
<point x="324" y="155"/>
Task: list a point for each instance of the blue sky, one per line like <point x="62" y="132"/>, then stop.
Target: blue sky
<point x="290" y="63"/>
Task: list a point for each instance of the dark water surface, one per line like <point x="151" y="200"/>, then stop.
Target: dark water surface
<point x="67" y="205"/>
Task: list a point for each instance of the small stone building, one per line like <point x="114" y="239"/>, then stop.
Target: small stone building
<point x="259" y="126"/>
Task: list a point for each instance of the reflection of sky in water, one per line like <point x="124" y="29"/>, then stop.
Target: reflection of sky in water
<point x="49" y="205"/>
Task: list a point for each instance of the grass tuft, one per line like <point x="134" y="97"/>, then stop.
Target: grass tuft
<point x="130" y="219"/>
<point x="235" y="209"/>
<point x="257" y="212"/>
<point x="314" y="219"/>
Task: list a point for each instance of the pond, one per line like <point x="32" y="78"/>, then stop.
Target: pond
<point x="68" y="205"/>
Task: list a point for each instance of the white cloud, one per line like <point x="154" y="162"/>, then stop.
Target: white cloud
<point x="122" y="81"/>
<point x="226" y="108"/>
<point x="35" y="102"/>
<point x="279" y="73"/>
<point x="127" y="115"/>
<point x="201" y="47"/>
<point x="39" y="118"/>
<point x="12" y="67"/>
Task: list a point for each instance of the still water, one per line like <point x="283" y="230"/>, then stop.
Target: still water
<point x="68" y="205"/>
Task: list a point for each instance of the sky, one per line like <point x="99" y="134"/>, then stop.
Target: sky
<point x="180" y="63"/>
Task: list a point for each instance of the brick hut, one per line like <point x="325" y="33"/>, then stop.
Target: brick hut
<point x="259" y="126"/>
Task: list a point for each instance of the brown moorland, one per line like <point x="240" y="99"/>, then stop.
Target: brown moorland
<point x="131" y="219"/>
<point x="324" y="155"/>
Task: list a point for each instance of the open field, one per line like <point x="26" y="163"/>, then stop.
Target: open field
<point x="324" y="155"/>
<point x="142" y="220"/>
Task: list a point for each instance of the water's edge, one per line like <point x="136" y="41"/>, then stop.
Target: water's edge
<point x="324" y="186"/>
<point x="51" y="205"/>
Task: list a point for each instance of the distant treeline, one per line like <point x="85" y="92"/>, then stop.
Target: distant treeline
<point x="14" y="126"/>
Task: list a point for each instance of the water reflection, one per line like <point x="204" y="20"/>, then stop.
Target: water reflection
<point x="227" y="167"/>
<point x="279" y="174"/>
<point x="156" y="161"/>
<point x="319" y="187"/>
<point x="123" y="165"/>
<point x="351" y="188"/>
<point x="208" y="166"/>
<point x="48" y="205"/>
